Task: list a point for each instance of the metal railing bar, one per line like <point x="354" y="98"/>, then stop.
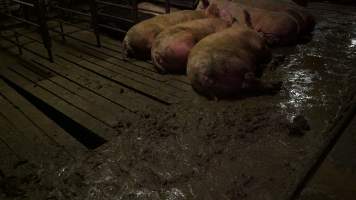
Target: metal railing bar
<point x="111" y="28"/>
<point x="71" y="10"/>
<point x="24" y="3"/>
<point x="113" y="4"/>
<point x="74" y="25"/>
<point x="75" y="38"/>
<point x="115" y="17"/>
<point x="21" y="19"/>
<point x="23" y="35"/>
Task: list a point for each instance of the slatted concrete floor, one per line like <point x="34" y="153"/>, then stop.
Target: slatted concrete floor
<point x="64" y="109"/>
<point x="75" y="103"/>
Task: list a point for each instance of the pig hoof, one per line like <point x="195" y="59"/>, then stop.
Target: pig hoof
<point x="301" y="122"/>
<point x="299" y="125"/>
<point x="305" y="38"/>
<point x="157" y="60"/>
<point x="277" y="85"/>
<point x="274" y="87"/>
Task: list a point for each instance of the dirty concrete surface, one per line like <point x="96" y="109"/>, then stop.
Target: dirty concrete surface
<point x="247" y="148"/>
<point x="335" y="179"/>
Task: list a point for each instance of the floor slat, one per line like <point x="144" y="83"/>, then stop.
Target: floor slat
<point x="50" y="128"/>
<point x="62" y="106"/>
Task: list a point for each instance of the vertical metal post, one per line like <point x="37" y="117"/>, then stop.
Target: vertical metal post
<point x="205" y="3"/>
<point x="18" y="43"/>
<point x="26" y="12"/>
<point x="7" y="7"/>
<point x="42" y="21"/>
<point x="62" y="16"/>
<point x="168" y="6"/>
<point x="62" y="31"/>
<point x="135" y="10"/>
<point x="94" y="21"/>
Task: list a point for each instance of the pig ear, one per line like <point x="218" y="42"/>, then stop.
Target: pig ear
<point x="247" y="18"/>
<point x="226" y="16"/>
<point x="212" y="10"/>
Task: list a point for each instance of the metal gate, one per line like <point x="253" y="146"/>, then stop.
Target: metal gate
<point x="7" y="11"/>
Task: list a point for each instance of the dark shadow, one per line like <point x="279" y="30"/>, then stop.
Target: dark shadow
<point x="269" y="89"/>
<point x="85" y="136"/>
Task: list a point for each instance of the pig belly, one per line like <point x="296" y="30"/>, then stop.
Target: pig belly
<point x="218" y="64"/>
<point x="138" y="40"/>
<point x="171" y="48"/>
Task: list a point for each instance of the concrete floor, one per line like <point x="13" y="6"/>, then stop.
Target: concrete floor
<point x="145" y="155"/>
<point x="336" y="177"/>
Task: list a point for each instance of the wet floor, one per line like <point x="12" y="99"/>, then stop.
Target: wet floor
<point x="318" y="75"/>
<point x="324" y="75"/>
<point x="227" y="149"/>
<point x="336" y="177"/>
<point x="248" y="148"/>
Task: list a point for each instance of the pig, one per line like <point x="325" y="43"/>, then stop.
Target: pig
<point x="305" y="19"/>
<point x="225" y="63"/>
<point x="138" y="40"/>
<point x="278" y="28"/>
<point x="172" y="46"/>
<point x="271" y="16"/>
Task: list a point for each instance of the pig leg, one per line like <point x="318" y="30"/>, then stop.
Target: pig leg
<point x="205" y="3"/>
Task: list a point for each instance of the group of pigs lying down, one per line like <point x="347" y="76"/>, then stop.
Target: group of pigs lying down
<point x="221" y="46"/>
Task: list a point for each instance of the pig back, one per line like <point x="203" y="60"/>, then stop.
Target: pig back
<point x="138" y="40"/>
<point x="217" y="65"/>
<point x="171" y="48"/>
